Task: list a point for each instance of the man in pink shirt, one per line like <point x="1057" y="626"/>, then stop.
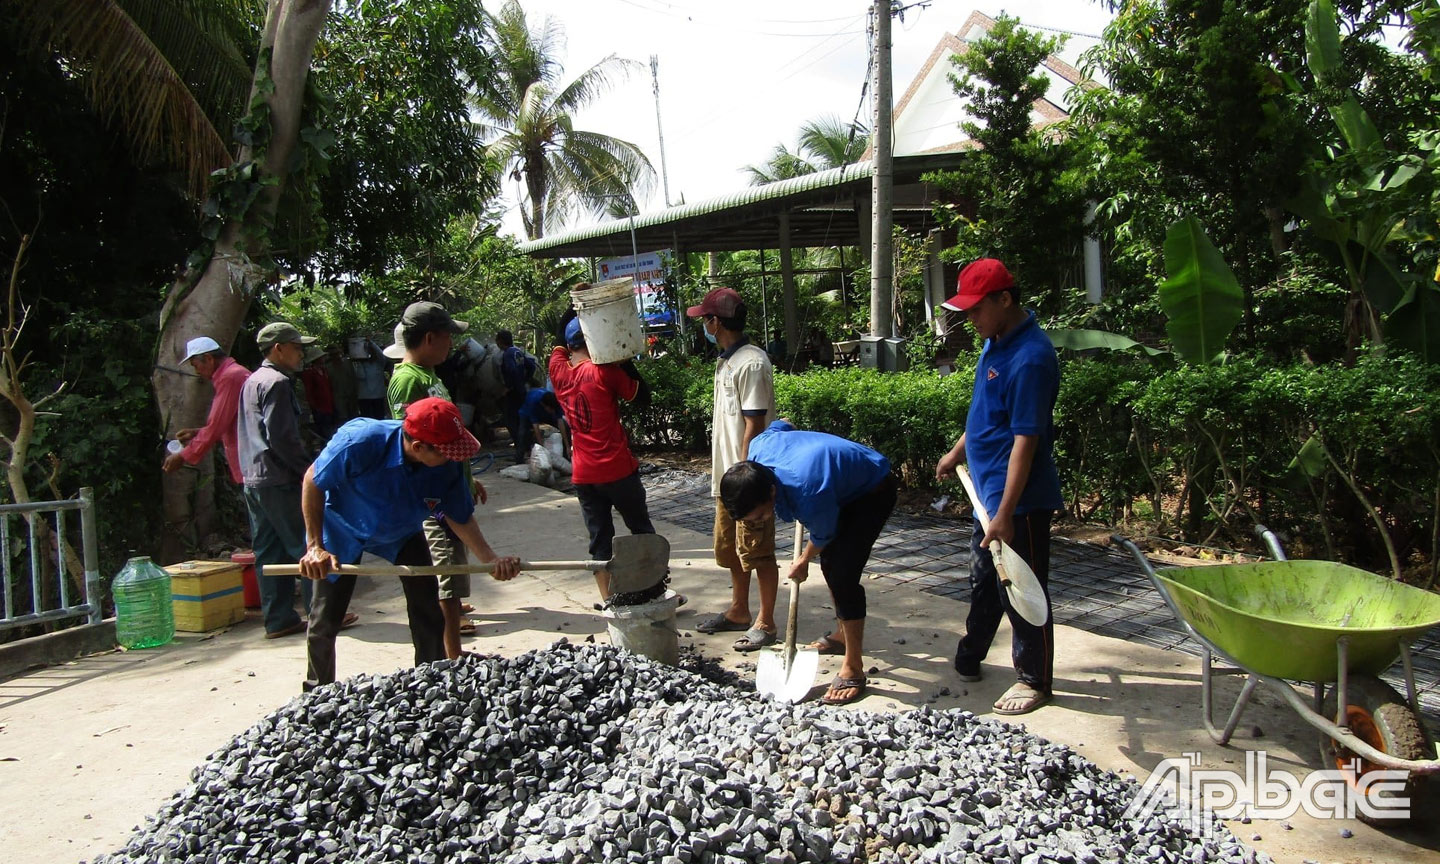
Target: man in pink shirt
<point x="227" y="377"/>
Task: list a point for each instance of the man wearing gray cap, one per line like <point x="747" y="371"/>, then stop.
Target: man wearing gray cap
<point x="226" y="376"/>
<point x="423" y="340"/>
<point x="273" y="461"/>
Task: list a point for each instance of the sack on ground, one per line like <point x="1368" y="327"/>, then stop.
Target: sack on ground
<point x="541" y="469"/>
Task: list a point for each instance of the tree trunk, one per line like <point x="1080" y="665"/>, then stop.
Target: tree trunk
<point x="217" y="303"/>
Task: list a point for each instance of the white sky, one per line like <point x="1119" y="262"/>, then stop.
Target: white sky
<point x="739" y="76"/>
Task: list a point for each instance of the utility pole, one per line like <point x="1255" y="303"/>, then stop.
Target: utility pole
<point x="882" y="184"/>
<point x="655" y="87"/>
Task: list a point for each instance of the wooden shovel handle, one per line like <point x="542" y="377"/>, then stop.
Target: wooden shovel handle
<point x="792" y="617"/>
<point x="431" y="570"/>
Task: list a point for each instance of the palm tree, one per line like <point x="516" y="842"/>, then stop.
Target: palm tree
<point x="535" y="141"/>
<point x="825" y="142"/>
<point x="170" y="74"/>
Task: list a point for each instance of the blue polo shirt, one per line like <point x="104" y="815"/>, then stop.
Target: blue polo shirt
<point x="816" y="474"/>
<point x="532" y="410"/>
<point x="375" y="500"/>
<point x="1016" y="383"/>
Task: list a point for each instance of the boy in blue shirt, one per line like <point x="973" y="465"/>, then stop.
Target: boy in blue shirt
<point x="1008" y="442"/>
<point x="371" y="490"/>
<point x="842" y="492"/>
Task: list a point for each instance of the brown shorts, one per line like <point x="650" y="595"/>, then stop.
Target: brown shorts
<point x="744" y="544"/>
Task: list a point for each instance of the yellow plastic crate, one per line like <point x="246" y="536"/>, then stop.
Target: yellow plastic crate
<point x="206" y="595"/>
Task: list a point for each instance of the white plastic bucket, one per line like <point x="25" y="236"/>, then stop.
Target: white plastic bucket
<point x="647" y="629"/>
<point x="609" y="320"/>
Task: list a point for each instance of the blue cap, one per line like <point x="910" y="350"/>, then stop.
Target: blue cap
<point x="573" y="337"/>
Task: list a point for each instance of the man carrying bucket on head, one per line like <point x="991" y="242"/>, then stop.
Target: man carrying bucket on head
<point x="371" y="490"/>
<point x="1008" y="441"/>
<point x="605" y="472"/>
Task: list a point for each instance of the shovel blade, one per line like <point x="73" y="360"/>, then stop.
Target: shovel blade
<point x="773" y="680"/>
<point x="638" y="562"/>
<point x="1022" y="588"/>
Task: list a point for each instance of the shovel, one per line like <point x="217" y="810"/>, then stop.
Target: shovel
<point x="787" y="674"/>
<point x="1021" y="587"/>
<point x="638" y="561"/>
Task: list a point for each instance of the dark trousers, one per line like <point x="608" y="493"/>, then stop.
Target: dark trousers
<point x="626" y="495"/>
<point x="332" y="599"/>
<point x="513" y="400"/>
<point x="1032" y="648"/>
<point x="278" y="530"/>
<point x="856" y="531"/>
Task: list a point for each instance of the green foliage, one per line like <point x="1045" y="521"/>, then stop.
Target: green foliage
<point x="825" y="142"/>
<point x="1201" y="298"/>
<point x="392" y="88"/>
<point x="1202" y="450"/>
<point x="530" y="112"/>
<point x="1018" y="196"/>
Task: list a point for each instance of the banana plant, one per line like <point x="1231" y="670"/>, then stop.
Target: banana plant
<point x="1201" y="298"/>
<point x="1359" y="200"/>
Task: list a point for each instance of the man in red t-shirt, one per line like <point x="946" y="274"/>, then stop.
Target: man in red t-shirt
<point x="606" y="473"/>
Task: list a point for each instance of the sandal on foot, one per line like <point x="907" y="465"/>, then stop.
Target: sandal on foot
<point x="466" y="608"/>
<point x="828" y="646"/>
<point x="350" y="620"/>
<point x="1021" y="698"/>
<point x="468" y="628"/>
<point x="718" y="623"/>
<point x="754" y="639"/>
<point x="856" y="686"/>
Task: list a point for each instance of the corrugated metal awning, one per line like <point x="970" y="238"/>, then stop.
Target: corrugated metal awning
<point x="825" y="210"/>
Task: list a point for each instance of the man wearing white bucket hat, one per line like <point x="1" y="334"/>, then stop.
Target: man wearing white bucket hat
<point x="226" y="376"/>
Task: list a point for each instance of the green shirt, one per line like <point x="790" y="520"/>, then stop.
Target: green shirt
<point x="410" y="383"/>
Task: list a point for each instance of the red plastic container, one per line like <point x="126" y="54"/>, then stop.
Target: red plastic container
<point x="246" y="560"/>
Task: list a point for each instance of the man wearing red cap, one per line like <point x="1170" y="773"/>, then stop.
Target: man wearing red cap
<point x="744" y="407"/>
<point x="370" y="490"/>
<point x="1008" y="443"/>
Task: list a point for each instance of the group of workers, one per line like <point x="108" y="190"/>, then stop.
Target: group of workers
<point x="401" y="488"/>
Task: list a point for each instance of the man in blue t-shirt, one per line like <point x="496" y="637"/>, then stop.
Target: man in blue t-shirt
<point x="371" y="490"/>
<point x="1008" y="442"/>
<point x="842" y="492"/>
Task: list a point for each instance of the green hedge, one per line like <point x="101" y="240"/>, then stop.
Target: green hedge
<point x="1203" y="452"/>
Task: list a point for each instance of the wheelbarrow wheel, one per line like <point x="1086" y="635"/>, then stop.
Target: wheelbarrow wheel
<point x="1380" y="717"/>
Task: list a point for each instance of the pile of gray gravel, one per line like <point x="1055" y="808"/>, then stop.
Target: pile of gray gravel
<point x="581" y="753"/>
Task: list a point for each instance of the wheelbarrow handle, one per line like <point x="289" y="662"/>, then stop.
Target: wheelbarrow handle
<point x="1272" y="542"/>
<point x="1126" y="543"/>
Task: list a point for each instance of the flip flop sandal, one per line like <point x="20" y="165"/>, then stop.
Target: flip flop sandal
<point x="466" y="608"/>
<point x="468" y="628"/>
<point x="754" y="639"/>
<point x="718" y="623"/>
<point x="827" y="646"/>
<point x="1032" y="699"/>
<point x="350" y="620"/>
<point x="856" y="685"/>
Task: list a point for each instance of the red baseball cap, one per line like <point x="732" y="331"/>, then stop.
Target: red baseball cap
<point x="978" y="280"/>
<point x="721" y="301"/>
<point x="437" y="422"/>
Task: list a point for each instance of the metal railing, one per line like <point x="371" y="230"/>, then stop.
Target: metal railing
<point x="33" y="513"/>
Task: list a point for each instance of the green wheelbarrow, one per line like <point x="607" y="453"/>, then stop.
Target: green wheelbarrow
<point x="1330" y="625"/>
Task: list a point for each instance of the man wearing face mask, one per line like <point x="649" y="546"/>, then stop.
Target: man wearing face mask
<point x="744" y="406"/>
